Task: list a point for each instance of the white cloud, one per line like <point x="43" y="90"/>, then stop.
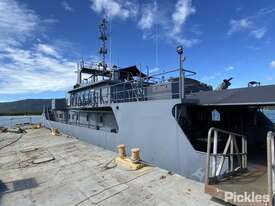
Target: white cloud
<point x="183" y="9"/>
<point x="32" y="70"/>
<point x="148" y="16"/>
<point x="48" y="50"/>
<point x="255" y="26"/>
<point x="229" y="68"/>
<point x="258" y="33"/>
<point x="16" y="22"/>
<point x="114" y="8"/>
<point x="31" y="67"/>
<point x="169" y="22"/>
<point x="67" y="6"/>
<point x="272" y="64"/>
<point x="239" y="25"/>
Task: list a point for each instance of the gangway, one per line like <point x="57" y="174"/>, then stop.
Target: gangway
<point x="228" y="176"/>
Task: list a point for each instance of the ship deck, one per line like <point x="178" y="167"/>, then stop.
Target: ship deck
<point x="37" y="168"/>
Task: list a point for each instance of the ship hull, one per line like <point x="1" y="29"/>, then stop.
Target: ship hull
<point x="151" y="127"/>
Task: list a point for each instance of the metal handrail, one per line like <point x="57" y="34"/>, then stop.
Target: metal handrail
<point x="216" y="168"/>
<point x="270" y="165"/>
<point x="126" y="95"/>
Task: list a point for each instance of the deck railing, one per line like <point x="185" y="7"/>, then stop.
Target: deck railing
<point x="153" y="87"/>
<point x="215" y="163"/>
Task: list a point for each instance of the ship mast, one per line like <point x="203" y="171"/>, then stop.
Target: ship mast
<point x="103" y="39"/>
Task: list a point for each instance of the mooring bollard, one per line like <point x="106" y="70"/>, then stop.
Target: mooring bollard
<point x="135" y="155"/>
<point x="121" y="151"/>
<point x="55" y="132"/>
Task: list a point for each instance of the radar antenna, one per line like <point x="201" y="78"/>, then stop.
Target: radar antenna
<point x="103" y="39"/>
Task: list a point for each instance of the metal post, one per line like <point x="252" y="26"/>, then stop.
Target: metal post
<point x="231" y="153"/>
<point x="181" y="76"/>
<point x="215" y="151"/>
<point x="208" y="159"/>
<point x="269" y="167"/>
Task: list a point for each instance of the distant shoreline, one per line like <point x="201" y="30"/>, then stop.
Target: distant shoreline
<point x="20" y="113"/>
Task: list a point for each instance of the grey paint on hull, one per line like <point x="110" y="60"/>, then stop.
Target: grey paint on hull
<point x="150" y="126"/>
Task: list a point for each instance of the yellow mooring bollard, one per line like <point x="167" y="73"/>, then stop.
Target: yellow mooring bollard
<point x="135" y="155"/>
<point x="55" y="132"/>
<point x="133" y="162"/>
<point x="121" y="151"/>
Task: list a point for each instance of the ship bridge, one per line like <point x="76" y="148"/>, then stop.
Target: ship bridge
<point x="120" y="85"/>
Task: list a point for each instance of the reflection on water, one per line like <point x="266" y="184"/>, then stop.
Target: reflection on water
<point x="8" y="121"/>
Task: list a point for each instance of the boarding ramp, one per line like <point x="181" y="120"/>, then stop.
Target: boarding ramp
<point x="228" y="176"/>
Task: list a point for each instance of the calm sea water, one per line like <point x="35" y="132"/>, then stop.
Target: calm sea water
<point x="7" y="121"/>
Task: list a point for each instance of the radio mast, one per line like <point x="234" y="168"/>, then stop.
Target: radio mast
<point x="103" y="39"/>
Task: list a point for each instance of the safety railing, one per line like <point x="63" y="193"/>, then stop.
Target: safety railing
<point x="153" y="87"/>
<point x="216" y="157"/>
<point x="271" y="166"/>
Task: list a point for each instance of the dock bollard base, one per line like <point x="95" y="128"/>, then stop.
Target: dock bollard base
<point x="126" y="162"/>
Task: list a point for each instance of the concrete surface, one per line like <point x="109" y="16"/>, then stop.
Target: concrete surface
<point x="45" y="170"/>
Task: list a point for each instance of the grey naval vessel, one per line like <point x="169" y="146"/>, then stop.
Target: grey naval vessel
<point x="179" y="124"/>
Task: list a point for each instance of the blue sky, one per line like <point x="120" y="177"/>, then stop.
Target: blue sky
<point x="41" y="41"/>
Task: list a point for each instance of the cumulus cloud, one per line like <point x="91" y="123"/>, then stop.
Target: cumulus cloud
<point x="33" y="71"/>
<point x="255" y="26"/>
<point x="26" y="65"/>
<point x="183" y="9"/>
<point x="16" y="22"/>
<point x="272" y="64"/>
<point x="258" y="33"/>
<point x="237" y="25"/>
<point x="169" y="22"/>
<point x="246" y="25"/>
<point x="67" y="6"/>
<point x="114" y="8"/>
<point x="148" y="16"/>
<point x="47" y="50"/>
